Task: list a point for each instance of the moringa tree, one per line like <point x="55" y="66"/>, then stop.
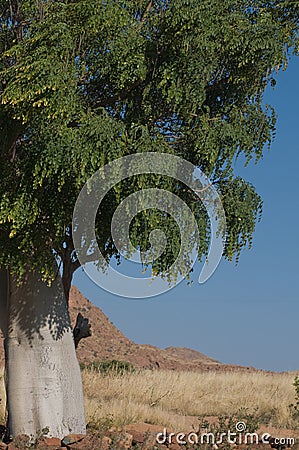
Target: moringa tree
<point x="83" y="83"/>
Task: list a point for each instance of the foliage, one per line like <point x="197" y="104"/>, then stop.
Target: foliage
<point x="97" y="425"/>
<point x="107" y="367"/>
<point x="223" y="424"/>
<point x="294" y="407"/>
<point x="83" y="83"/>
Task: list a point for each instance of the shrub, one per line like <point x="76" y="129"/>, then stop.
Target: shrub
<point x="105" y="367"/>
<point x="294" y="407"/>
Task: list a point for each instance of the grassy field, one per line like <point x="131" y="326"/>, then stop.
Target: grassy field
<point x="170" y="399"/>
<point x="176" y="400"/>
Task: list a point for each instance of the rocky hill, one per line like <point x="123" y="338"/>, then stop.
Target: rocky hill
<point x="107" y="343"/>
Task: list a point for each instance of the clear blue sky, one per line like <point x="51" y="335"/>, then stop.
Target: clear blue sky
<point x="247" y="314"/>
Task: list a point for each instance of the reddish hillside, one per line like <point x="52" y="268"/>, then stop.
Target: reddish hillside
<point x="107" y="343"/>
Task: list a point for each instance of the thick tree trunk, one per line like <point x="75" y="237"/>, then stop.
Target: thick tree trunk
<point x="69" y="263"/>
<point x="67" y="276"/>
<point x="43" y="380"/>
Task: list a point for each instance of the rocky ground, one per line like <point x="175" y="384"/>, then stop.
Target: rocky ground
<point x="135" y="437"/>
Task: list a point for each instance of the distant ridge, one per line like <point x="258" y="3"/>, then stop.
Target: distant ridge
<point x="108" y="342"/>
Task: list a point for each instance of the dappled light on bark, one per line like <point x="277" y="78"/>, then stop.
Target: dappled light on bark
<point x="44" y="389"/>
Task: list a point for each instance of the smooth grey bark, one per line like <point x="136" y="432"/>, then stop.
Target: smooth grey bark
<point x="3" y="300"/>
<point x="43" y="379"/>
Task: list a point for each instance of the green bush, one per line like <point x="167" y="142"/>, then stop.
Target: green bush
<point x="106" y="367"/>
<point x="294" y="407"/>
<point x="225" y="423"/>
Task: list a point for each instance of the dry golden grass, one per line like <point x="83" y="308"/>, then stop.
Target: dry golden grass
<point x="170" y="398"/>
<point x="176" y="399"/>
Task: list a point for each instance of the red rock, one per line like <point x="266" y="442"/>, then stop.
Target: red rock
<point x="120" y="438"/>
<point x="81" y="445"/>
<point x="52" y="441"/>
<point x="90" y="442"/>
<point x="105" y="443"/>
<point x="72" y="439"/>
<point x="49" y="447"/>
<point x="49" y="442"/>
<point x="138" y="436"/>
<point x="12" y="446"/>
<point x="20" y="441"/>
<point x="145" y="434"/>
<point x="125" y="441"/>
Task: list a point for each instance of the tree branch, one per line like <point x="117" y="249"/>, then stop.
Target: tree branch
<point x="145" y="14"/>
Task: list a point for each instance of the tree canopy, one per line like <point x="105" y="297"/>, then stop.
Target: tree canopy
<point x="85" y="82"/>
